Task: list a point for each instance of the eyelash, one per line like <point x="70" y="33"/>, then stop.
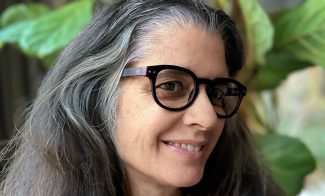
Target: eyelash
<point x="168" y="83"/>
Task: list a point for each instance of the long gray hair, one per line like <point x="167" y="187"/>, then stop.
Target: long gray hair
<point x="66" y="145"/>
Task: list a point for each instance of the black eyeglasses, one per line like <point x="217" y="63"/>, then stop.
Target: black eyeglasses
<point x="175" y="88"/>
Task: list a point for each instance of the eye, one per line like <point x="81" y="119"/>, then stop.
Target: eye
<point x="171" y="90"/>
<point x="174" y="86"/>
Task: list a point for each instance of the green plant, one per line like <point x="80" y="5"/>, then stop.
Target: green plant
<point x="41" y="32"/>
<point x="276" y="44"/>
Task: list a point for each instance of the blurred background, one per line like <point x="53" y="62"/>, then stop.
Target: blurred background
<point x="284" y="72"/>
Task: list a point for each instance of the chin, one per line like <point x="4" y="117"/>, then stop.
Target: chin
<point x="187" y="180"/>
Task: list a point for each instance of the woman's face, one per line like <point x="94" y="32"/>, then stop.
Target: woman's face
<point x="149" y="139"/>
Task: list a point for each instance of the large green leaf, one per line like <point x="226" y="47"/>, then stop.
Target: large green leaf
<point x="301" y="31"/>
<point x="289" y="159"/>
<point x="13" y="33"/>
<point x="259" y="31"/>
<point x="279" y="64"/>
<point x="53" y="31"/>
<point x="22" y="12"/>
<point x="48" y="33"/>
<point x="16" y="19"/>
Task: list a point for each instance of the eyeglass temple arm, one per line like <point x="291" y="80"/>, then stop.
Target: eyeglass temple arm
<point x="134" y="71"/>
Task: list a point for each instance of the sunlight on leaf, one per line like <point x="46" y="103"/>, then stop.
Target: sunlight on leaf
<point x="16" y="19"/>
<point x="289" y="160"/>
<point x="301" y="31"/>
<point x="53" y="31"/>
<point x="301" y="107"/>
<point x="259" y="31"/>
<point x="22" y="12"/>
<point x="13" y="33"/>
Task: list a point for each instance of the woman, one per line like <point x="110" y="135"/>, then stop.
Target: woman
<point x="142" y="102"/>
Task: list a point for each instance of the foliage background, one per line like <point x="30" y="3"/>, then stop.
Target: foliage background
<point x="284" y="72"/>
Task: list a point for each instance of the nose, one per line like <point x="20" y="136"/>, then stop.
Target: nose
<point x="201" y="113"/>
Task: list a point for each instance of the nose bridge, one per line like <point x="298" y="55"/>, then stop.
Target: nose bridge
<point x="203" y="81"/>
<point x="207" y="85"/>
<point x="203" y="97"/>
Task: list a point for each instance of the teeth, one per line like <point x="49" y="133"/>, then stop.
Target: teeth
<point x="187" y="147"/>
<point x="190" y="148"/>
<point x="184" y="146"/>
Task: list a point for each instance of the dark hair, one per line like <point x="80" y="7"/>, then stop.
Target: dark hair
<point x="66" y="146"/>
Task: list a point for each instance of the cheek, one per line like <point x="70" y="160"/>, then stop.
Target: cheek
<point x="135" y="118"/>
<point x="128" y="137"/>
<point x="139" y="117"/>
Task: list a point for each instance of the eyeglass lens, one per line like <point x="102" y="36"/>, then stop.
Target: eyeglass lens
<point x="176" y="89"/>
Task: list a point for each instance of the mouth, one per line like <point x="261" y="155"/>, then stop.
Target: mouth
<point x="190" y="148"/>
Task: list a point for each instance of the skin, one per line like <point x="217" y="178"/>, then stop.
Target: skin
<point x="152" y="166"/>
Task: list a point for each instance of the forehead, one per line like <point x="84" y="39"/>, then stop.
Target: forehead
<point x="188" y="46"/>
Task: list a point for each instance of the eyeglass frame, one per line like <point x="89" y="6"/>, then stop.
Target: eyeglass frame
<point x="152" y="72"/>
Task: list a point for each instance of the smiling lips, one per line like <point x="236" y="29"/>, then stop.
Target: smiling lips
<point x="188" y="147"/>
